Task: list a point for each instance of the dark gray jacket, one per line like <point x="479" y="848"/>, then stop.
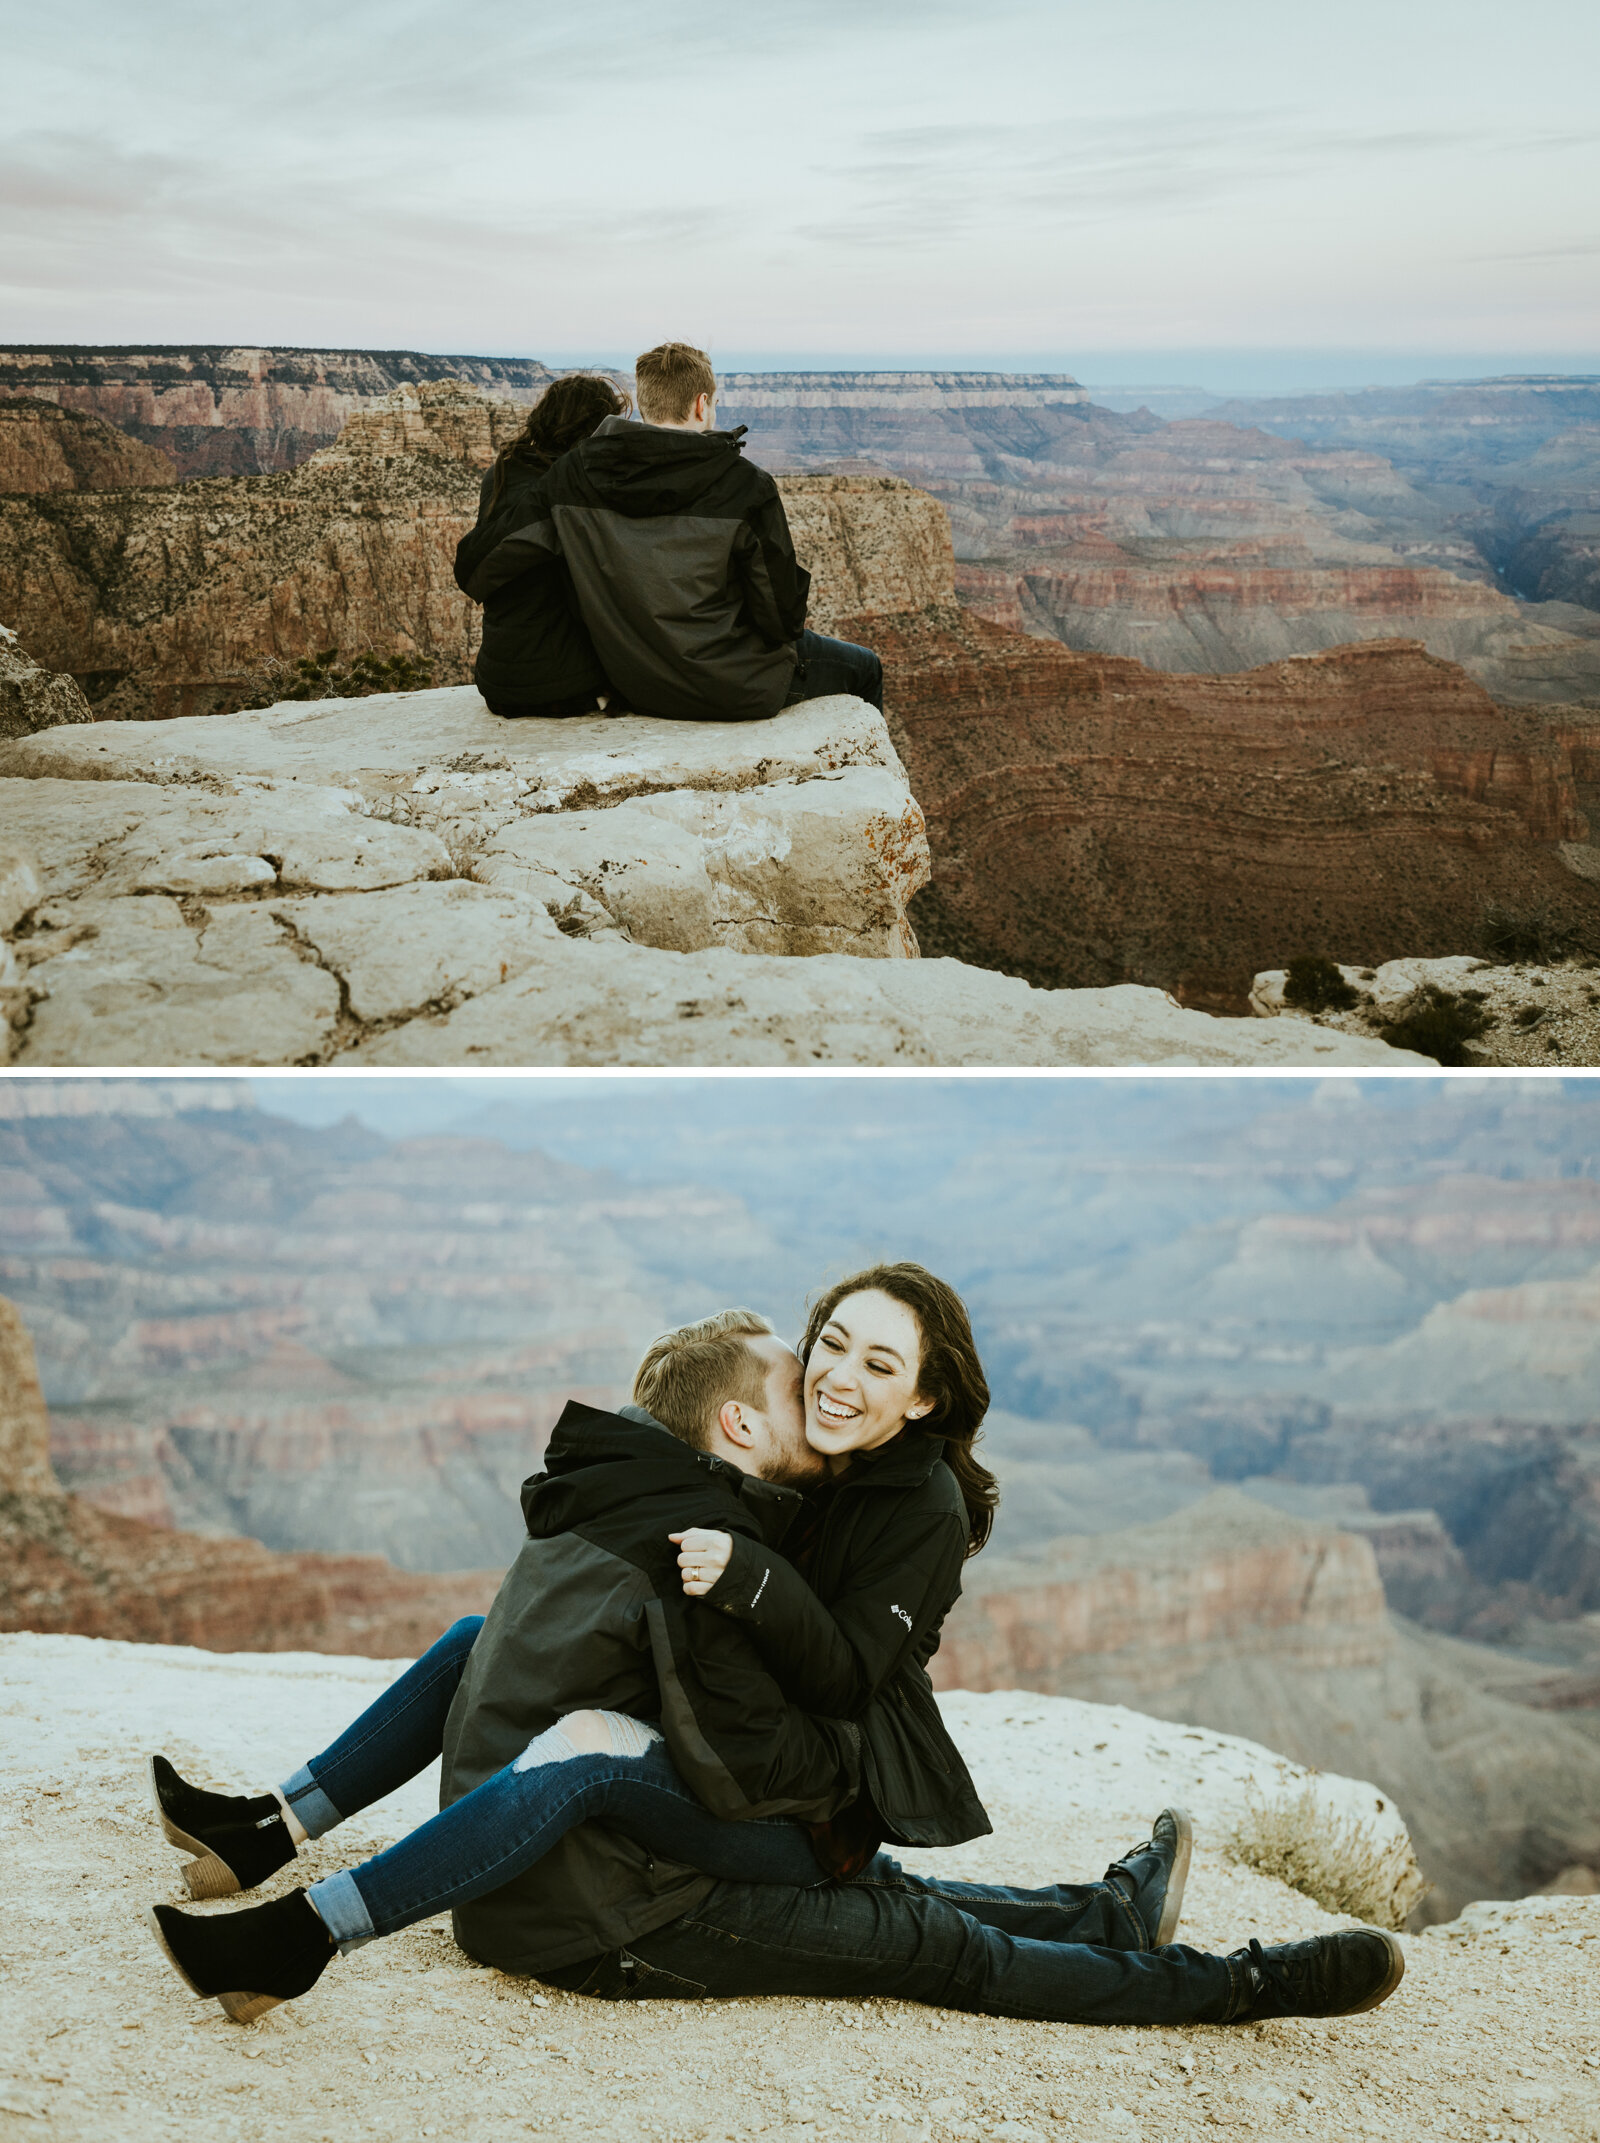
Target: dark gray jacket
<point x="680" y="553"/>
<point x="593" y="1614"/>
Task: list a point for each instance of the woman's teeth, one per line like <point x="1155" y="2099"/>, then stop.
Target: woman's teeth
<point x="832" y="1410"/>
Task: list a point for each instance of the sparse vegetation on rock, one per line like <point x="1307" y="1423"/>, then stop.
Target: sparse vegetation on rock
<point x="1437" y="1023"/>
<point x="1339" y="1862"/>
<point x="329" y="676"/>
<point x="1318" y="985"/>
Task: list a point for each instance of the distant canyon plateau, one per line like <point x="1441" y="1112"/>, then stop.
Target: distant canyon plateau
<point x="1295" y="1423"/>
<point x="1180" y="702"/>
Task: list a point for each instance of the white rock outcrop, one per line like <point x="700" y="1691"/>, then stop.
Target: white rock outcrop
<point x="1528" y="1013"/>
<point x="405" y="879"/>
<point x="32" y="697"/>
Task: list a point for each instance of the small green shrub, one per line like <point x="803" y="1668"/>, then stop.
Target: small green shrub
<point x="1529" y="1016"/>
<point x="1339" y="1862"/>
<point x="1316" y="985"/>
<point x="1436" y="1023"/>
<point x="326" y="676"/>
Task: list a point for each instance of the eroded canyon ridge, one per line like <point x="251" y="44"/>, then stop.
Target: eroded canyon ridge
<point x="1183" y="819"/>
<point x="1338" y="1494"/>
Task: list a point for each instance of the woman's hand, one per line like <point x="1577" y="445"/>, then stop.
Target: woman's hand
<point x="702" y="1558"/>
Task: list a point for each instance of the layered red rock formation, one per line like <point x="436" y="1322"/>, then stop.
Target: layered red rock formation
<point x="67" y="1567"/>
<point x="46" y="448"/>
<point x="242" y="412"/>
<point x="1198" y="546"/>
<point x="314" y="1337"/>
<point x="179" y="602"/>
<point x="1093" y="821"/>
<point x="1120" y="1617"/>
<point x="1238" y="1618"/>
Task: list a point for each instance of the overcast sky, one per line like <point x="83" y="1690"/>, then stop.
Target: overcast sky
<point x="873" y="177"/>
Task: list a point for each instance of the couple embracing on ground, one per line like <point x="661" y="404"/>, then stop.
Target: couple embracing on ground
<point x="644" y="567"/>
<point x="699" y="1709"/>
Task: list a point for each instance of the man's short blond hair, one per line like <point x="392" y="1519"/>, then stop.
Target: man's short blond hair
<point x="668" y="378"/>
<point x="688" y="1375"/>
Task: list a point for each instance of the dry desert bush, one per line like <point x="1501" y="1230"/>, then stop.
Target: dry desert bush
<point x="1338" y="1861"/>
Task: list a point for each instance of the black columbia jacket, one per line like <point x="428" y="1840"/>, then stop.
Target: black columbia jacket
<point x="536" y="647"/>
<point x="852" y="1639"/>
<point x="593" y="1614"/>
<point x="680" y="553"/>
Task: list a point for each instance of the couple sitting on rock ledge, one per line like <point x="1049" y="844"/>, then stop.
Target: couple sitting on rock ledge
<point x="672" y="1755"/>
<point x="644" y="568"/>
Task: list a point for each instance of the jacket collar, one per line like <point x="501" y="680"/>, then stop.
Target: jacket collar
<point x="905" y="1463"/>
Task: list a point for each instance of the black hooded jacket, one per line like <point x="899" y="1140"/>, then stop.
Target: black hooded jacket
<point x="592" y="1614"/>
<point x="536" y="649"/>
<point x="684" y="568"/>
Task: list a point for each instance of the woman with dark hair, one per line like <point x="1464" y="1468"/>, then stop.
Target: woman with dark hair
<point x="894" y="1397"/>
<point x="536" y="656"/>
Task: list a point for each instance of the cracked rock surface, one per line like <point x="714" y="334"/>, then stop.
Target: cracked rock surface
<point x="408" y="880"/>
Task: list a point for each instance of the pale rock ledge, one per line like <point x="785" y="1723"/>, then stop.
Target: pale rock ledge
<point x="406" y="879"/>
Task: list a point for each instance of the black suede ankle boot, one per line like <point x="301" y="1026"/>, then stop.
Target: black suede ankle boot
<point x="248" y="1961"/>
<point x="238" y="1839"/>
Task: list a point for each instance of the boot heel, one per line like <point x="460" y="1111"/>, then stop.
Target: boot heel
<point x="210" y="1877"/>
<point x="245" y="2008"/>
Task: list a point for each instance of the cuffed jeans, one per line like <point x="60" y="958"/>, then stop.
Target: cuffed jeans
<point x="513" y="1819"/>
<point x="1069" y="1954"/>
<point x="824" y="667"/>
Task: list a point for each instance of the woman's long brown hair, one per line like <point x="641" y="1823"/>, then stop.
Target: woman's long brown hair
<point x="949" y="1373"/>
<point x="567" y="412"/>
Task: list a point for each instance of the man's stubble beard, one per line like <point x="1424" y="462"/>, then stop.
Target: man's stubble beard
<point x="798" y="1467"/>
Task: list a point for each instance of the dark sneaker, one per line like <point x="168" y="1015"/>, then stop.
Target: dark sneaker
<point x="247" y="1961"/>
<point x="1152" y="1876"/>
<point x="238" y="1839"/>
<point x="1325" y="1976"/>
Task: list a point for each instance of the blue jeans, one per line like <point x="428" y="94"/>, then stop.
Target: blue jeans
<point x="1068" y="1954"/>
<point x="512" y="1819"/>
<point x="824" y="666"/>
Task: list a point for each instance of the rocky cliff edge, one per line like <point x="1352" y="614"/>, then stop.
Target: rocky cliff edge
<point x="1491" y="2026"/>
<point x="405" y="879"/>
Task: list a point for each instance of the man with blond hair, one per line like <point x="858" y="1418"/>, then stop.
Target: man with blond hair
<point x="682" y="560"/>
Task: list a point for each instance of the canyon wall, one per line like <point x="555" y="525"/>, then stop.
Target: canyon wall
<point x="242" y="412"/>
<point x="1514" y="464"/>
<point x="44" y="447"/>
<point x="1093" y="820"/>
<point x="311" y="1338"/>
<point x="68" y="1567"/>
<point x="177" y="602"/>
<point x="1196" y="546"/>
<point x="1241" y="1619"/>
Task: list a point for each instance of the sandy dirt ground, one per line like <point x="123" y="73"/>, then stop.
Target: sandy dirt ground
<point x="1494" y="2035"/>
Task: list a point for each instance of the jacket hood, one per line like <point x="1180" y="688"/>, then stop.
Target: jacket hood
<point x="643" y="470"/>
<point x="597" y="1461"/>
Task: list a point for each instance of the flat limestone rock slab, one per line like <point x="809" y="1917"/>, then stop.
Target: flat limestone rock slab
<point x="609" y="1002"/>
<point x="125" y="837"/>
<point x="423" y="946"/>
<point x="138" y="983"/>
<point x="427" y="742"/>
<point x="795" y="835"/>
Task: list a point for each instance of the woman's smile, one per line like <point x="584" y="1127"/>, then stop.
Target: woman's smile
<point x="861" y="1380"/>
